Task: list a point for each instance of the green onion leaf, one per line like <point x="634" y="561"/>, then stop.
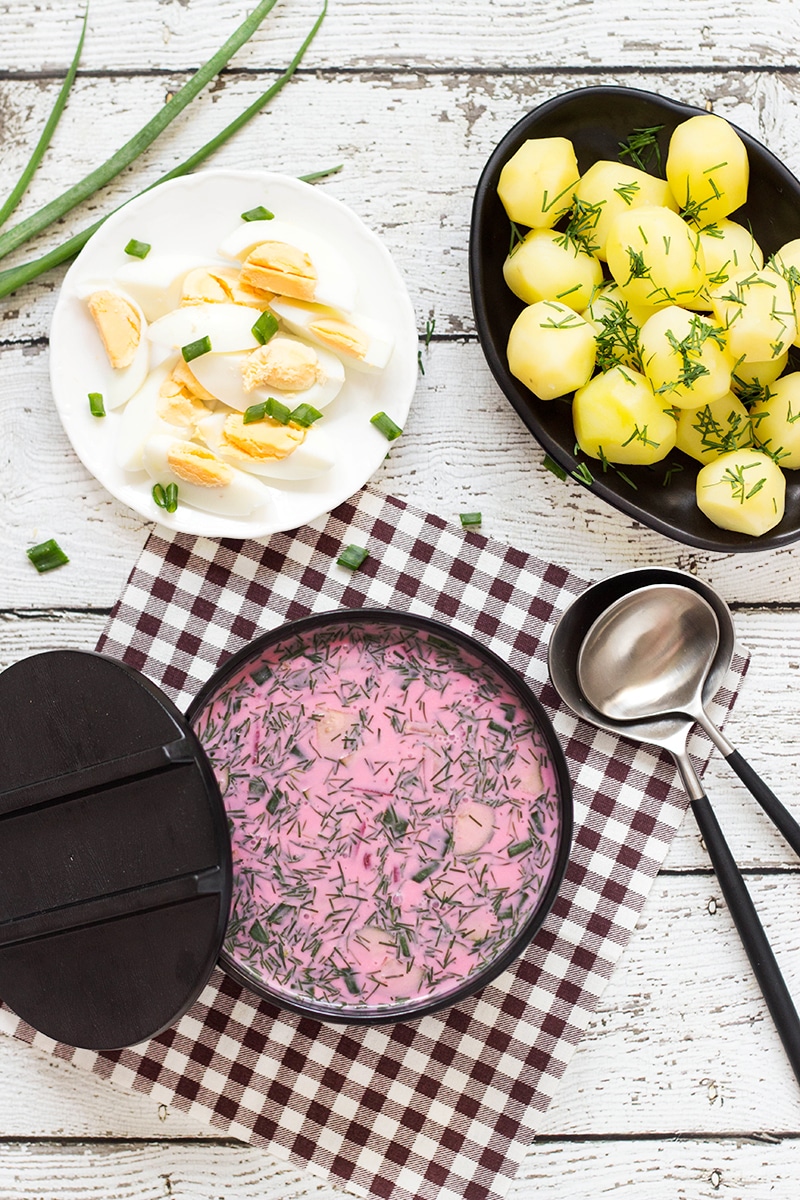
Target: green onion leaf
<point x="423" y="873"/>
<point x="159" y="495"/>
<point x="258" y="933"/>
<point x="265" y="328"/>
<point x="520" y="848"/>
<point x="15" y="277"/>
<point x="352" y="557"/>
<point x="96" y="406"/>
<point x="350" y="982"/>
<point x="171" y="497"/>
<point x="387" y="426"/>
<point x="274" y="801"/>
<point x="196" y="349"/>
<point x="305" y="415"/>
<point x="267" y="408"/>
<point x="473" y="518"/>
<point x="19" y="189"/>
<point x="313" y="176"/>
<point x="258" y="214"/>
<point x="138" y="249"/>
<point x="47" y="555"/>
<point x="139" y="142"/>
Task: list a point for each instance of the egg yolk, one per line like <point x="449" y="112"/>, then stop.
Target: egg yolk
<point x="283" y="364"/>
<point x="341" y="336"/>
<point x="279" y="267"/>
<point x="262" y="440"/>
<point x="196" y="465"/>
<point x="119" y="326"/>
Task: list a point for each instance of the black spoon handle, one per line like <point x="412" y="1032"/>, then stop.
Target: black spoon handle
<point x="777" y="813"/>
<point x="751" y="931"/>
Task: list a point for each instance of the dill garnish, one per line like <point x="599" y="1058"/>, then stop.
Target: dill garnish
<point x="641" y="147"/>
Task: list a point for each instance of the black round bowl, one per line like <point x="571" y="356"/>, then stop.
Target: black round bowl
<point x="407" y="1010"/>
<point x="596" y="120"/>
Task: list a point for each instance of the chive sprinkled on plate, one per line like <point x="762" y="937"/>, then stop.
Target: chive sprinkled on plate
<point x="471" y="518"/>
<point x="389" y="428"/>
<point x="138" y="249"/>
<point x="96" y="406"/>
<point x="352" y="556"/>
<point x="196" y="349"/>
<point x="258" y="214"/>
<point x="267" y="408"/>
<point x="265" y="328"/>
<point x="305" y="415"/>
<point x="47" y="555"/>
<point x="166" y="497"/>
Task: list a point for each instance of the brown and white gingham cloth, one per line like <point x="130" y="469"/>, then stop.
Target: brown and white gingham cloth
<point x="445" y="1107"/>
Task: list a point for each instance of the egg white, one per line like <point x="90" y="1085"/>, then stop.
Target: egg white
<point x="155" y="282"/>
<point x="229" y="327"/>
<point x="242" y="496"/>
<point x="312" y="458"/>
<point x="336" y="282"/>
<point x="221" y="374"/>
<point x="140" y="420"/>
<point x="298" y="317"/>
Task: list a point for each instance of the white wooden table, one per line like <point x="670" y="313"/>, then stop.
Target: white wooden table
<point x="681" y="1088"/>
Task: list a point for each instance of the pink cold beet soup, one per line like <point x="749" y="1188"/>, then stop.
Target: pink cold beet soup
<point x="398" y="814"/>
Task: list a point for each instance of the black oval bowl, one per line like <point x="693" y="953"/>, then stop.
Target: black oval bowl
<point x="596" y="120"/>
<point x="410" y="1010"/>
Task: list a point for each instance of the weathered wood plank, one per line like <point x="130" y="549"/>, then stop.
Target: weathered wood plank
<point x="702" y="1169"/>
<point x="440" y="33"/>
<point x="413" y="147"/>
<point x="681" y="1042"/>
<point x="464" y="449"/>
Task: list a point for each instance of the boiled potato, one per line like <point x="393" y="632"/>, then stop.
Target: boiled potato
<point x="537" y="182"/>
<point x="776" y="420"/>
<point x="613" y="188"/>
<point x="713" y="429"/>
<point x="707" y="168"/>
<point x="750" y="379"/>
<point x="617" y="418"/>
<point x="787" y="263"/>
<point x="655" y="258"/>
<point x="743" y="490"/>
<point x="551" y="349"/>
<point x="617" y="324"/>
<point x="756" y="310"/>
<point x="548" y="266"/>
<point x="728" y="250"/>
<point x="685" y="358"/>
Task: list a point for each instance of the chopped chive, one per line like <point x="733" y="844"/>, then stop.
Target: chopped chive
<point x="15" y="277"/>
<point x="258" y="214"/>
<point x="159" y="495"/>
<point x="261" y="675"/>
<point x="350" y="982"/>
<point x="265" y="328"/>
<point x="195" y="349"/>
<point x="274" y="800"/>
<point x="554" y="467"/>
<point x="258" y="933"/>
<point x="47" y="555"/>
<point x="267" y="408"/>
<point x="424" y="872"/>
<point x="305" y="415"/>
<point x="473" y="518"/>
<point x="352" y="557"/>
<point x="96" y="406"/>
<point x="519" y="848"/>
<point x="386" y="425"/>
<point x="171" y="497"/>
<point x="138" y="249"/>
<point x="313" y="176"/>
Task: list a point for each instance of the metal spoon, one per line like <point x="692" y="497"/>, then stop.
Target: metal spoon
<point x="649" y="655"/>
<point x="671" y="733"/>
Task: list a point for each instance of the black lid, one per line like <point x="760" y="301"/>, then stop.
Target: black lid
<point x="115" y="860"/>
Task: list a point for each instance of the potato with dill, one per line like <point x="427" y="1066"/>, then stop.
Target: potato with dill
<point x="655" y="258"/>
<point x="728" y="249"/>
<point x="612" y="188"/>
<point x="757" y="311"/>
<point x="536" y="184"/>
<point x="552" y="266"/>
<point x="776" y="420"/>
<point x="685" y="357"/>
<point x="713" y="429"/>
<point x="551" y="349"/>
<point x="744" y="491"/>
<point x="618" y="419"/>
<point x="707" y="168"/>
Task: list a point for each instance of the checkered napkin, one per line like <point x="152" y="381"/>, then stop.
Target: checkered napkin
<point x="441" y="1108"/>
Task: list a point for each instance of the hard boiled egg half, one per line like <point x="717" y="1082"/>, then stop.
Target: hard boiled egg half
<point x="361" y="341"/>
<point x="279" y="257"/>
<point x="121" y="352"/>
<point x="287" y="368"/>
<point x="227" y="326"/>
<point x="203" y="480"/>
<point x="268" y="448"/>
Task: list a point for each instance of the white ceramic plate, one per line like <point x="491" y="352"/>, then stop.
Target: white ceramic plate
<point x="191" y="216"/>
